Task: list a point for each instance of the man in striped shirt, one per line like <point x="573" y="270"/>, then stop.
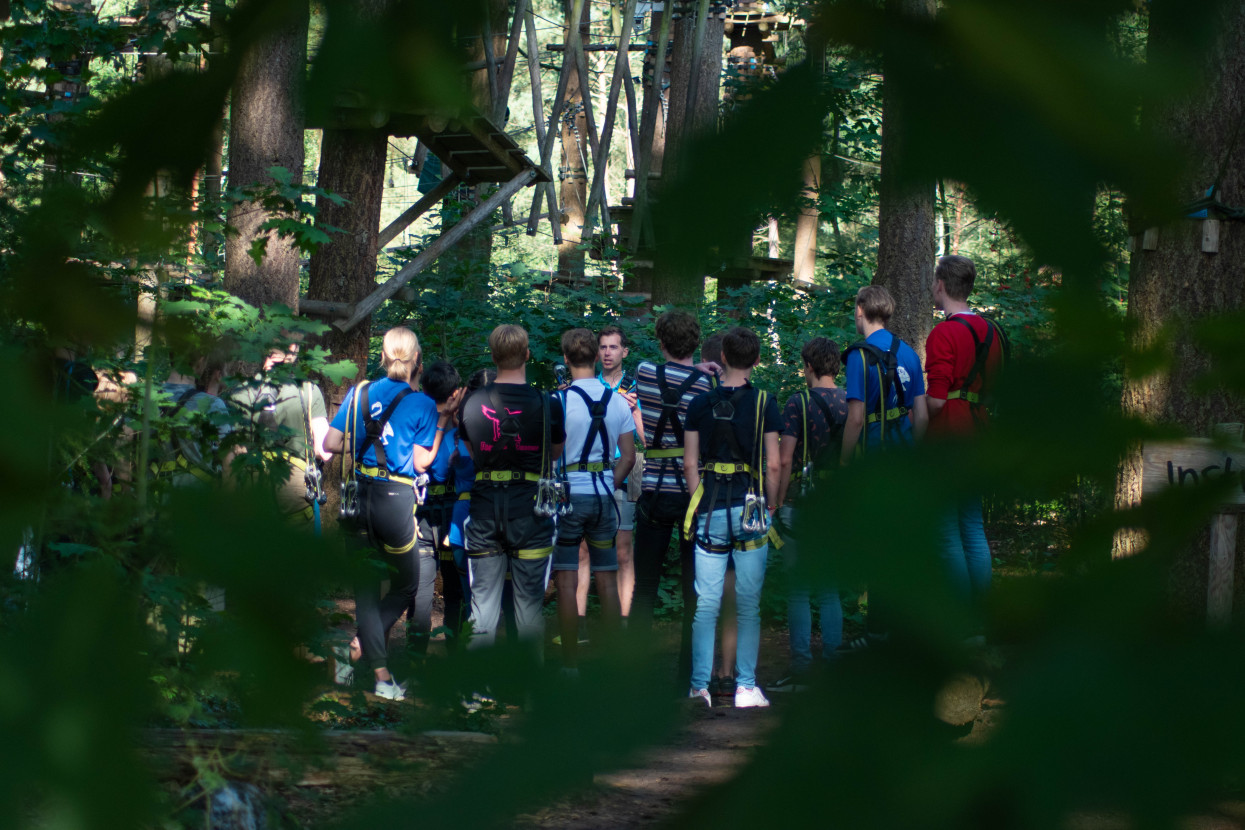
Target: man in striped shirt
<point x="664" y="392"/>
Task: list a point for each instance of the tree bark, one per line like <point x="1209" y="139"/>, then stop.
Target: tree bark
<point x="1176" y="284"/>
<point x="352" y="164"/>
<point x="701" y="92"/>
<point x="574" y="176"/>
<point x="906" y="232"/>
<point x="266" y="130"/>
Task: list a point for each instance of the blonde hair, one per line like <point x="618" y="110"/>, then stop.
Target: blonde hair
<point x="399" y="354"/>
<point x="508" y="345"/>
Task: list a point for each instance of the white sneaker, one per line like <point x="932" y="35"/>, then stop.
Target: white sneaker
<point x="703" y="694"/>
<point x="747" y="697"/>
<point x="389" y="690"/>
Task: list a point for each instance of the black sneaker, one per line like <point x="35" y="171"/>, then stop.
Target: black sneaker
<point x="794" y="682"/>
<point x="722" y="687"/>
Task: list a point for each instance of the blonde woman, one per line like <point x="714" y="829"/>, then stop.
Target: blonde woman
<point x="394" y="435"/>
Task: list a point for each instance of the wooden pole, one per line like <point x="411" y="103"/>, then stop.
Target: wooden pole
<point x="416" y="210"/>
<point x="546" y="145"/>
<point x="538" y="111"/>
<point x="1222" y="570"/>
<point x="490" y="62"/>
<point x="647" y="130"/>
<point x="596" y="194"/>
<point x="633" y="131"/>
<point x="429" y="255"/>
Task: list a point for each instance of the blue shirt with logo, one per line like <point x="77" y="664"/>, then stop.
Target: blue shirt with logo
<point x="860" y="387"/>
<point x="412" y="424"/>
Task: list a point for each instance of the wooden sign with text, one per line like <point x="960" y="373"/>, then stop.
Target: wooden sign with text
<point x="1189" y="463"/>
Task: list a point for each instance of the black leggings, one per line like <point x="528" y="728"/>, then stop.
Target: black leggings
<point x="387" y="519"/>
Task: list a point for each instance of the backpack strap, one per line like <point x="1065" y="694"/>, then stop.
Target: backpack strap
<point x="886" y="365"/>
<point x="981" y="356"/>
<point x="374" y="428"/>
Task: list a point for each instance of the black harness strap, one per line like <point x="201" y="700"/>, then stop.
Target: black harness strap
<point x="981" y="356"/>
<point x="724" y="410"/>
<point x="596" y="429"/>
<point x="670" y="398"/>
<point x="374" y="428"/>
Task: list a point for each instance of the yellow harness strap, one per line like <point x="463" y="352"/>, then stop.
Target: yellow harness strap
<point x="534" y="553"/>
<point x="960" y="394"/>
<point x="669" y="452"/>
<point x="383" y="474"/>
<point x="601" y="543"/>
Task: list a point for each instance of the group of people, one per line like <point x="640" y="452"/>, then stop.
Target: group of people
<point x="498" y="485"/>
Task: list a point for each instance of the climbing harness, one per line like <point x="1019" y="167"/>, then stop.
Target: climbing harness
<point x="981" y="398"/>
<point x="886" y="365"/>
<point x="720" y="474"/>
<point x="349" y="484"/>
<point x="808" y="473"/>
<point x="671" y="396"/>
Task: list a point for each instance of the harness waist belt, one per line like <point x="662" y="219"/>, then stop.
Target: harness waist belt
<point x="503" y="476"/>
<point x="890" y="414"/>
<point x="665" y="452"/>
<point x="960" y="394"/>
<point x="439" y="489"/>
<point x="729" y="468"/>
<point x="384" y="475"/>
<point x="464" y="495"/>
<point x="296" y="461"/>
<point x="590" y="467"/>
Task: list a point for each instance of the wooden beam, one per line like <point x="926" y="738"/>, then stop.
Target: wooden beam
<point x="438" y="246"/>
<point x="324" y="308"/>
<point x="598" y="47"/>
<point x="1222" y="570"/>
<point x="597" y="193"/>
<point x="390" y="231"/>
<point x="507" y="158"/>
<point x="543" y="135"/>
<point x="633" y="131"/>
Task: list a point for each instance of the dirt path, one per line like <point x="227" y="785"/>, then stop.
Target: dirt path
<point x="708" y="751"/>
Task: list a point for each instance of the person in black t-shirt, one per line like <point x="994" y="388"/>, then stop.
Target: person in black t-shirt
<point x="812" y="440"/>
<point x="513" y="432"/>
<point x="732" y="432"/>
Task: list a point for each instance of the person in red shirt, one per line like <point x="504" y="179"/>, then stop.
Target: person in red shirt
<point x="962" y="356"/>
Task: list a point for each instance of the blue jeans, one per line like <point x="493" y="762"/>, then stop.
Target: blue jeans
<point x="721" y="526"/>
<point x="965" y="553"/>
<point x="799" y="610"/>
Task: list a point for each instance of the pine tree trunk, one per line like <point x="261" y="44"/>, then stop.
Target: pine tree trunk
<point x="694" y="97"/>
<point x="574" y="177"/>
<point x="1177" y="284"/>
<point x="352" y="164"/>
<point x="906" y="232"/>
<point x="266" y="130"/>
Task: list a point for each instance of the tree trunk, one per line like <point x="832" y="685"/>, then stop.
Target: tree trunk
<point x="906" y="233"/>
<point x="1177" y="283"/>
<point x="807" y="222"/>
<point x="574" y="177"/>
<point x="694" y="96"/>
<point x="352" y="164"/>
<point x="266" y="130"/>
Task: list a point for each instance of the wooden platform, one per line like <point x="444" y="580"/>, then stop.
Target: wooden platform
<point x="476" y="150"/>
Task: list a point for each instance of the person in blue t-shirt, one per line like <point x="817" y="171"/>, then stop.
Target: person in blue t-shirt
<point x="869" y="375"/>
<point x="392" y="433"/>
<point x="885" y="393"/>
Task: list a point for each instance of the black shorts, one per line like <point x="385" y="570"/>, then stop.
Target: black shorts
<point x="387" y="514"/>
<point x="433" y="521"/>
<point x="501" y="519"/>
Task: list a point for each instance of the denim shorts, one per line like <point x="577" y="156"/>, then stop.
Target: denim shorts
<point x="594" y="518"/>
